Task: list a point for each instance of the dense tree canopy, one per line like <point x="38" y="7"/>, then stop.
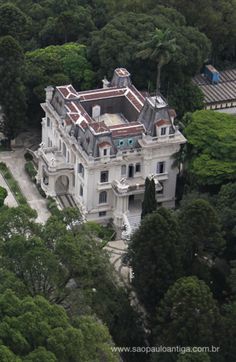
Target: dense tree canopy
<point x="12" y="92"/>
<point x="187" y="316"/>
<point x="212" y="136"/>
<point x="56" y="65"/>
<point x="155" y="252"/>
<point x="33" y="329"/>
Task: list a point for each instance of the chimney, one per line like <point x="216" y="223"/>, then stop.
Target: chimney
<point x="121" y="78"/>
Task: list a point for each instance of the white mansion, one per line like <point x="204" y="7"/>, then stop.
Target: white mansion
<point x="100" y="145"/>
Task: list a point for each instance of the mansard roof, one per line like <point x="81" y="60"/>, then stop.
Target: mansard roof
<point x="106" y="114"/>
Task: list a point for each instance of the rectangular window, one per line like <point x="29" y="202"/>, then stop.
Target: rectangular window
<point x="161" y="167"/>
<point x="123" y="170"/>
<point x="81" y="190"/>
<point x="64" y="150"/>
<point x="102" y="213"/>
<point x="81" y="169"/>
<point x="104" y="176"/>
<point x="105" y="152"/>
<point x="137" y="167"/>
<point x="48" y="122"/>
<point x="163" y="131"/>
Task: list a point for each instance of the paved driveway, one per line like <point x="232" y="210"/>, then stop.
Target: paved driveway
<point x="16" y="163"/>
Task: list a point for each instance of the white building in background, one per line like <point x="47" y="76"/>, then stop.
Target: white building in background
<point x="100" y="145"/>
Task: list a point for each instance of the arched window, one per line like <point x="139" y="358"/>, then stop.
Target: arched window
<point x="103" y="197"/>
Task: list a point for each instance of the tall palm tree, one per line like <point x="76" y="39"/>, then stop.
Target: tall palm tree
<point x="160" y="47"/>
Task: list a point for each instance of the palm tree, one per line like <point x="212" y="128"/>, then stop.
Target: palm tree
<point x="160" y="47"/>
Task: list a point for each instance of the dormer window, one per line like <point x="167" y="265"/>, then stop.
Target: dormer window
<point x="163" y="131"/>
<point x="104" y="149"/>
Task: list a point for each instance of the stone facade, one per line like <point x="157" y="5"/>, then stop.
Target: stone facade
<point x="100" y="145"/>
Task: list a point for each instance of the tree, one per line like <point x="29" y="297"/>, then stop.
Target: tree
<point x="13" y="21"/>
<point x="184" y="97"/>
<point x="229" y="331"/>
<point x="70" y="25"/>
<point x="68" y="267"/>
<point x="155" y="252"/>
<point x="3" y="195"/>
<point x="194" y="357"/>
<point x="226" y="207"/>
<point x="149" y="203"/>
<point x="34" y="330"/>
<point x="12" y="90"/>
<point x="55" y="65"/>
<point x="212" y="136"/>
<point x="201" y="231"/>
<point x="160" y="47"/>
<point x="187" y="316"/>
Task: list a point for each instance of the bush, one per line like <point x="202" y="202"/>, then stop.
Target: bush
<point x="42" y="193"/>
<point x="52" y="206"/>
<point x="3" y="195"/>
<point x="28" y="156"/>
<point x="30" y="169"/>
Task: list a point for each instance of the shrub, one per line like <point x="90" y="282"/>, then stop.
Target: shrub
<point x="42" y="193"/>
<point x="52" y="206"/>
<point x="3" y="195"/>
<point x="28" y="156"/>
<point x="31" y="171"/>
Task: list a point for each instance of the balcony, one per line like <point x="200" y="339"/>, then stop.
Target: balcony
<point x="103" y="186"/>
<point x="54" y="159"/>
<point x="133" y="185"/>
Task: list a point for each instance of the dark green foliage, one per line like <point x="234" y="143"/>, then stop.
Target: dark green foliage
<point x="185" y="97"/>
<point x="187" y="316"/>
<point x="30" y="169"/>
<point x="35" y="330"/>
<point x="52" y="206"/>
<point x="229" y="331"/>
<point x="68" y="26"/>
<point x="64" y="262"/>
<point x="13" y="21"/>
<point x="28" y="156"/>
<point x="194" y="357"/>
<point x="212" y="136"/>
<point x="201" y="230"/>
<point x="3" y="195"/>
<point x="56" y="65"/>
<point x="155" y="253"/>
<point x="12" y="91"/>
<point x="160" y="47"/>
<point x="149" y="203"/>
<point x="226" y="207"/>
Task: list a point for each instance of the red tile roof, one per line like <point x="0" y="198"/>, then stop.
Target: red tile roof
<point x="104" y="144"/>
<point x="161" y="122"/>
<point x="131" y="129"/>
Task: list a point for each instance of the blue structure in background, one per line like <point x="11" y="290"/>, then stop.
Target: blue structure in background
<point x="212" y="74"/>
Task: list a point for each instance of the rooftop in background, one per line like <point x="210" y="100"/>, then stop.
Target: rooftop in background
<point x="220" y="95"/>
